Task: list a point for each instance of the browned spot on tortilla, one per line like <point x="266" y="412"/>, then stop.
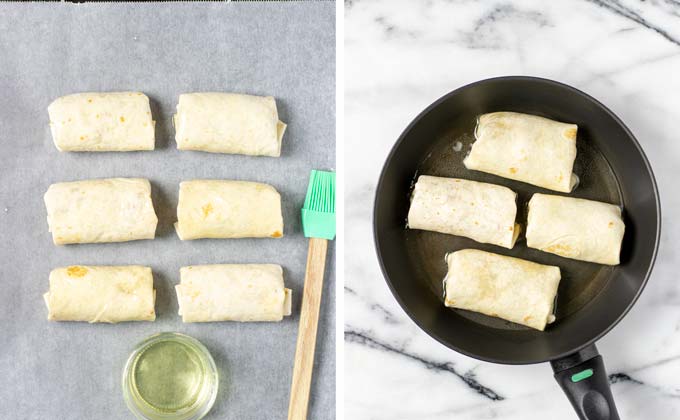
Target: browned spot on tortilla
<point x="499" y="124"/>
<point x="527" y="318"/>
<point x="126" y="287"/>
<point x="559" y="248"/>
<point x="76" y="271"/>
<point x="89" y="101"/>
<point x="122" y="119"/>
<point x="493" y="314"/>
<point x="476" y="222"/>
<point x="97" y="116"/>
<point x="513" y="170"/>
<point x="82" y="137"/>
<point x="570" y="133"/>
<point x="611" y="224"/>
<point x="277" y="234"/>
<point x="511" y="228"/>
<point x="207" y="209"/>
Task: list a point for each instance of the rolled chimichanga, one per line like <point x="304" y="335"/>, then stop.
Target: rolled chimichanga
<point x="233" y="292"/>
<point x="228" y="123"/>
<point x="526" y="148"/>
<point x="228" y="209"/>
<point x="575" y="228"/>
<point x="483" y="212"/>
<point x="100" y="210"/>
<point x="101" y="294"/>
<point x="509" y="288"/>
<point x="102" y="122"/>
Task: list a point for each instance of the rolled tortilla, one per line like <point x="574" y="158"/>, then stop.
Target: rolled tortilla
<point x="526" y="148"/>
<point x="483" y="212"/>
<point x="228" y="123"/>
<point x="102" y="122"/>
<point x="233" y="292"/>
<point x="575" y="228"/>
<point x="228" y="209"/>
<point x="100" y="210"/>
<point x="504" y="287"/>
<point x="101" y="294"/>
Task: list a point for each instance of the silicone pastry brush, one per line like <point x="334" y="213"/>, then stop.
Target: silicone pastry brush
<point x="318" y="224"/>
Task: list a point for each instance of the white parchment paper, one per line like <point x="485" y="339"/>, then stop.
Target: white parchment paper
<point x="284" y="49"/>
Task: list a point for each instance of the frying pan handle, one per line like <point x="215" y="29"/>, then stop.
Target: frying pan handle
<point x="583" y="378"/>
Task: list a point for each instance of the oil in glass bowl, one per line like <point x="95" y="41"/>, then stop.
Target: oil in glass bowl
<point x="170" y="376"/>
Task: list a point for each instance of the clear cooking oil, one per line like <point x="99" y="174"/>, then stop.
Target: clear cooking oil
<point x="170" y="376"/>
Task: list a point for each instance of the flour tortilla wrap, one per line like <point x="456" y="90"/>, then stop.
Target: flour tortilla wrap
<point x="513" y="289"/>
<point x="228" y="123"/>
<point x="101" y="294"/>
<point x="575" y="228"/>
<point x="483" y="212"/>
<point x="233" y="292"/>
<point x="526" y="148"/>
<point x="100" y="210"/>
<point x="228" y="209"/>
<point x="102" y="122"/>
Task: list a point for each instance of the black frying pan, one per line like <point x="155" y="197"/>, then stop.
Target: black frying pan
<point x="592" y="298"/>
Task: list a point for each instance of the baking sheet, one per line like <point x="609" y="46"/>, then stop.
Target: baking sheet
<point x="73" y="370"/>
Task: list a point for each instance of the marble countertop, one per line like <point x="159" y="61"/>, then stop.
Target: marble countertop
<point x="402" y="55"/>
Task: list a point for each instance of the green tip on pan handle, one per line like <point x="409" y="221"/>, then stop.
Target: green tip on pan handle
<point x="584" y="380"/>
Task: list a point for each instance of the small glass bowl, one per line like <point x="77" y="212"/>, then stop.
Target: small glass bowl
<point x="170" y="376"/>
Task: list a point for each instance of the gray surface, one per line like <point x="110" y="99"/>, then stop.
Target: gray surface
<point x="73" y="370"/>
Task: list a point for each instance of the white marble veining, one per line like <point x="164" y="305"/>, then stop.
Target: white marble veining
<point x="402" y="55"/>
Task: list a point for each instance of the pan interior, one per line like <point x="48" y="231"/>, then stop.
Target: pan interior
<point x="592" y="298"/>
<point x="581" y="281"/>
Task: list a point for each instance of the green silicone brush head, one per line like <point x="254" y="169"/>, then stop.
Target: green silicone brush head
<point x="318" y="212"/>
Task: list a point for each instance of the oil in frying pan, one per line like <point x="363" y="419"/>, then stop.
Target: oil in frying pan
<point x="581" y="281"/>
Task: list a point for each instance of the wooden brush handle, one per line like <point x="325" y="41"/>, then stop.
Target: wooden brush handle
<point x="309" y="320"/>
